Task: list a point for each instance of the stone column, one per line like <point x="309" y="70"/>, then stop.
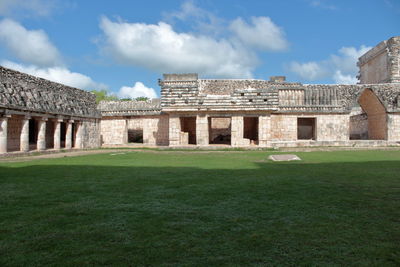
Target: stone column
<point x="150" y="131"/>
<point x="41" y="141"/>
<point x="174" y="130"/>
<point x="202" y="130"/>
<point x="3" y="134"/>
<point x="68" y="135"/>
<point x="24" y="138"/>
<point x="264" y="127"/>
<point x="79" y="135"/>
<point x="57" y="134"/>
<point x="237" y="131"/>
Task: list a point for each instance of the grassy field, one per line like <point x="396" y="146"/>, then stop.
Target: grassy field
<point x="202" y="208"/>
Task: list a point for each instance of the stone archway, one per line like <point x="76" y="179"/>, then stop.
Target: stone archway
<point x="376" y="114"/>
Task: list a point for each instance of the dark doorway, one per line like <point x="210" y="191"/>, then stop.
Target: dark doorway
<point x="306" y="128"/>
<point x="135" y="136"/>
<point x="219" y="130"/>
<point x="73" y="129"/>
<point x="250" y="129"/>
<point x="63" y="133"/>
<point x="188" y="125"/>
<point x="50" y="128"/>
<point x="33" y="131"/>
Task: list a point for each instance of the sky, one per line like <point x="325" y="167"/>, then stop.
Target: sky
<point x="124" y="47"/>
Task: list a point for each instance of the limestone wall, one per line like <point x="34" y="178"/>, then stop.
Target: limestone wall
<point x="359" y="126"/>
<point x="394" y="127"/>
<point x="135" y="123"/>
<point x="376" y="69"/>
<point x="264" y="130"/>
<point x="332" y="127"/>
<point x="91" y="133"/>
<point x="283" y="127"/>
<point x="174" y="130"/>
<point x="113" y="131"/>
<point x="237" y="136"/>
<point x="156" y="130"/>
<point x="381" y="64"/>
<point x="202" y="130"/>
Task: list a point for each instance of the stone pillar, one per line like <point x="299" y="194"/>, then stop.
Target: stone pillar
<point x="24" y="138"/>
<point x="3" y="134"/>
<point x="150" y="131"/>
<point x="264" y="128"/>
<point x="41" y="141"/>
<point x="237" y="131"/>
<point x="174" y="130"/>
<point x="57" y="134"/>
<point x="68" y="135"/>
<point x="79" y="135"/>
<point x="125" y="135"/>
<point x="202" y="138"/>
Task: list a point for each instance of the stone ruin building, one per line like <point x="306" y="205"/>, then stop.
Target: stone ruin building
<point x="39" y="114"/>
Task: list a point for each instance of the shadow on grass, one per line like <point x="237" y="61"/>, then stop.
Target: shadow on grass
<point x="289" y="213"/>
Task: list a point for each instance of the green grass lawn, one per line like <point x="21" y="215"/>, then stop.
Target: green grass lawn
<point x="197" y="208"/>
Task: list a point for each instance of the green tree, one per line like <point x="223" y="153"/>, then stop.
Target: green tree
<point x="141" y="98"/>
<point x="103" y="95"/>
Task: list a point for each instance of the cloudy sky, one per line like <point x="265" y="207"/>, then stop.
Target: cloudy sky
<point x="125" y="46"/>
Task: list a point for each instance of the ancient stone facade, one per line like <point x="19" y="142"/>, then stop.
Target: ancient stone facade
<point x="37" y="114"/>
<point x="133" y="122"/>
<point x="263" y="113"/>
<point x="382" y="63"/>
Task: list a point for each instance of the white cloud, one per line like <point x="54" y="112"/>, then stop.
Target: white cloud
<point x="308" y="71"/>
<point x="32" y="46"/>
<point x="262" y="34"/>
<point x="340" y="78"/>
<point x="160" y="48"/>
<point x="138" y="90"/>
<point x="347" y="58"/>
<point x="340" y="67"/>
<point x="57" y="74"/>
<point x="202" y="20"/>
<point x="36" y="7"/>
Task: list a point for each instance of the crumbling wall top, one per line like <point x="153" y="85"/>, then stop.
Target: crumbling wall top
<point x="181" y="77"/>
<point x="24" y="92"/>
<point x="381" y="64"/>
<point x="130" y="108"/>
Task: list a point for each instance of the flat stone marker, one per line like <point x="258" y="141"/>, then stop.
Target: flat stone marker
<point x="284" y="157"/>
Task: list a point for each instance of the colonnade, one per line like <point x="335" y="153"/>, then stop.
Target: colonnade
<point x="42" y="122"/>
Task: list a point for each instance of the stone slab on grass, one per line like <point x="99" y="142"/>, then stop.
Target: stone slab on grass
<point x="284" y="157"/>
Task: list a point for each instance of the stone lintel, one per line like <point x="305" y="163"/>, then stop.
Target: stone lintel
<point x="28" y="113"/>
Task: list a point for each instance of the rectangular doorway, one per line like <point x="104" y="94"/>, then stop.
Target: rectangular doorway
<point x="188" y="125"/>
<point x="306" y="128"/>
<point x="219" y="130"/>
<point x="250" y="129"/>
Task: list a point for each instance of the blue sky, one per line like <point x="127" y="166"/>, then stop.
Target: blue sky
<point x="125" y="46"/>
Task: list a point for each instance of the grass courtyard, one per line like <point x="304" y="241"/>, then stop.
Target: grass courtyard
<point x="202" y="208"/>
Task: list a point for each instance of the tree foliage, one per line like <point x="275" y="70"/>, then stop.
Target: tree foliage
<point x="103" y="95"/>
<point x="141" y="98"/>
